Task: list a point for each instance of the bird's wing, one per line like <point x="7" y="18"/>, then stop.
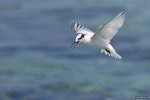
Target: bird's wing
<point x="80" y="29"/>
<point x="109" y="30"/>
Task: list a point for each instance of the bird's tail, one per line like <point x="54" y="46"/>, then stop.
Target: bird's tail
<point x="110" y="51"/>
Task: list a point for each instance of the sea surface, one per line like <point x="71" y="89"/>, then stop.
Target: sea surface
<point x="37" y="62"/>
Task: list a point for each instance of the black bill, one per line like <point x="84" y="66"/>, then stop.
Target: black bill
<point x="74" y="44"/>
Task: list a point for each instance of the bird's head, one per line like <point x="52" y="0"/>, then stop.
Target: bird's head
<point x="79" y="39"/>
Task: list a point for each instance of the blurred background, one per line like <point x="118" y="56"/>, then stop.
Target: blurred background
<point x="36" y="61"/>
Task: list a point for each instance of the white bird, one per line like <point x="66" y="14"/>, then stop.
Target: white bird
<point x="102" y="37"/>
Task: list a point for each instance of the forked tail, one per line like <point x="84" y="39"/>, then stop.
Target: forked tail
<point x="110" y="51"/>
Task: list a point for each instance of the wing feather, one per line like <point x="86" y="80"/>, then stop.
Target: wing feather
<point x="109" y="30"/>
<point x="80" y="29"/>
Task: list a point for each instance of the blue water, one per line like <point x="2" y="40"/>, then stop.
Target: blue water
<point x="36" y="61"/>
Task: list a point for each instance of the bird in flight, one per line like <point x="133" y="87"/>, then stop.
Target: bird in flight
<point x="102" y="37"/>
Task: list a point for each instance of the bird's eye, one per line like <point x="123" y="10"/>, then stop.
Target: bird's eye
<point x="81" y="36"/>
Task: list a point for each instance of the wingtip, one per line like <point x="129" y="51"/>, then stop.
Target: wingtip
<point x="73" y="23"/>
<point x="122" y="13"/>
<point x="72" y="26"/>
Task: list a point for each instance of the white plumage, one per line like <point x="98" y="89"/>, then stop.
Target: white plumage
<point x="102" y="37"/>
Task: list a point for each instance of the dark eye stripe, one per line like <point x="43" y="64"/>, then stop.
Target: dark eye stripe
<point x="81" y="36"/>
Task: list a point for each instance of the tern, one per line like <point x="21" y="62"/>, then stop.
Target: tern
<point x="102" y="37"/>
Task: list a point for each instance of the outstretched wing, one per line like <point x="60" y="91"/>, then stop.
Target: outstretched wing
<point x="109" y="30"/>
<point x="80" y="29"/>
